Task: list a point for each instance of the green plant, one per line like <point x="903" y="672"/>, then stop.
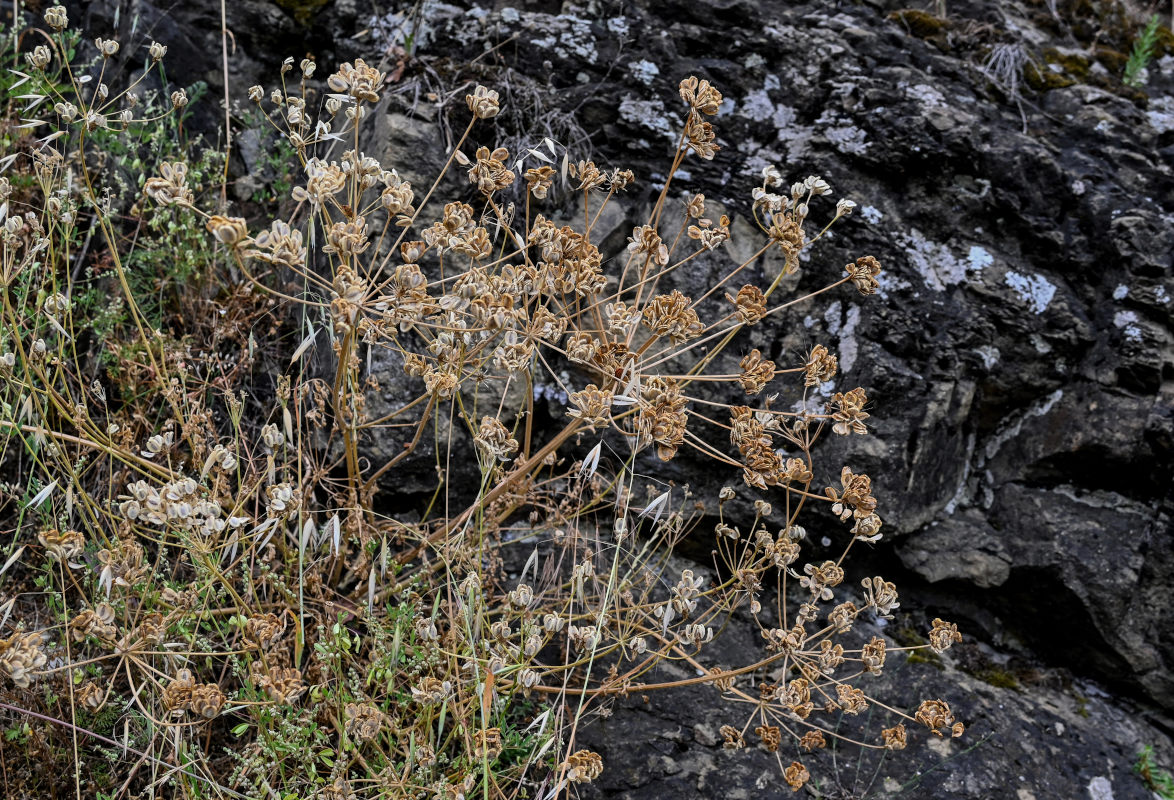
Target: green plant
<point x="1143" y="51"/>
<point x="1156" y="780"/>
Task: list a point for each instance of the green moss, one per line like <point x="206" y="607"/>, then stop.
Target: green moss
<point x="1112" y="60"/>
<point x="1074" y="64"/>
<point x="1043" y="78"/>
<point x="926" y="656"/>
<point x="921" y="24"/>
<point x="999" y="678"/>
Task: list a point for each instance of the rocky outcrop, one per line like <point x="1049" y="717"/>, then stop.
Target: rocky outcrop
<point x="1019" y="354"/>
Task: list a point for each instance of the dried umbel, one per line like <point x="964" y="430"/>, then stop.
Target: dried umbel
<point x="56" y="18"/>
<point x="863" y="274"/>
<point x="757" y="372"/>
<point x="672" y="315"/>
<point x="62" y="545"/>
<point x="751" y="304"/>
<point x="359" y="81"/>
<point x="230" y="231"/>
<point x="936" y="714"/>
<point x="170" y="187"/>
<point x="701" y="95"/>
<point x="431" y="690"/>
<point x="487" y="744"/>
<point x="207" y="700"/>
<point x="264" y="630"/>
<point x="21" y="655"/>
<point x="592" y="405"/>
<point x="539" y="180"/>
<point x="494" y="440"/>
<point x="97" y="622"/>
<point x="943" y="635"/>
<point x="283" y="685"/>
<point x="483" y="102"/>
<point x="583" y="766"/>
<point x="363" y="721"/>
<point x="662" y="417"/>
<point x="820" y="367"/>
<point x="796" y="776"/>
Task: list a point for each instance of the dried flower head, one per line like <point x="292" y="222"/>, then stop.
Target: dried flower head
<point x="732" y="738"/>
<point x="357" y="80"/>
<point x="894" y="738"/>
<point x="363" y="721"/>
<point x="21" y="654"/>
<point x="264" y="630"/>
<point x="757" y="372"/>
<point x="283" y="685"/>
<point x="494" y="440"/>
<point x="539" y="180"/>
<point x="770" y="736"/>
<point x="751" y="304"/>
<point x="672" y="315"/>
<point x="701" y="95"/>
<point x="813" y="740"/>
<point x="170" y="188"/>
<point x="483" y="102"/>
<point x="56" y="18"/>
<point x="583" y="766"/>
<point x="62" y="545"/>
<point x="863" y="274"/>
<point x="487" y="744"/>
<point x="820" y="367"/>
<point x="848" y="412"/>
<point x="943" y="635"/>
<point x="934" y="714"/>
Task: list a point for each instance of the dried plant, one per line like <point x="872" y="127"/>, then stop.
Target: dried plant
<point x="219" y="566"/>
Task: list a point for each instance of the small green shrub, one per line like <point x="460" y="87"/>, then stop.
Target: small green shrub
<point x="1143" y="51"/>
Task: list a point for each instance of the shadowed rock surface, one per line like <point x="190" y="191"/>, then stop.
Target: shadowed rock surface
<point x="1019" y="354"/>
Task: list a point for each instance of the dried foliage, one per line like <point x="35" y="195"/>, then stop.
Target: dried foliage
<point x="196" y="563"/>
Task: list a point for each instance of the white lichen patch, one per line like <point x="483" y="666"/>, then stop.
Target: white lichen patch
<point x="934" y="262"/>
<point x="618" y="25"/>
<point x="887" y="282"/>
<point x="567" y="35"/>
<point x="1121" y="292"/>
<point x="848" y="139"/>
<point x="650" y="114"/>
<point x="644" y="71"/>
<point x="758" y="106"/>
<point x="1161" y="114"/>
<point x="926" y="96"/>
<point x="1127" y="322"/>
<point x="871" y="214"/>
<point x="1161" y="295"/>
<point x="979" y="258"/>
<point x="1035" y="291"/>
<point x="849" y="345"/>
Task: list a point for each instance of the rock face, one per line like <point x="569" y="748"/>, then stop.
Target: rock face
<point x="1019" y="354"/>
